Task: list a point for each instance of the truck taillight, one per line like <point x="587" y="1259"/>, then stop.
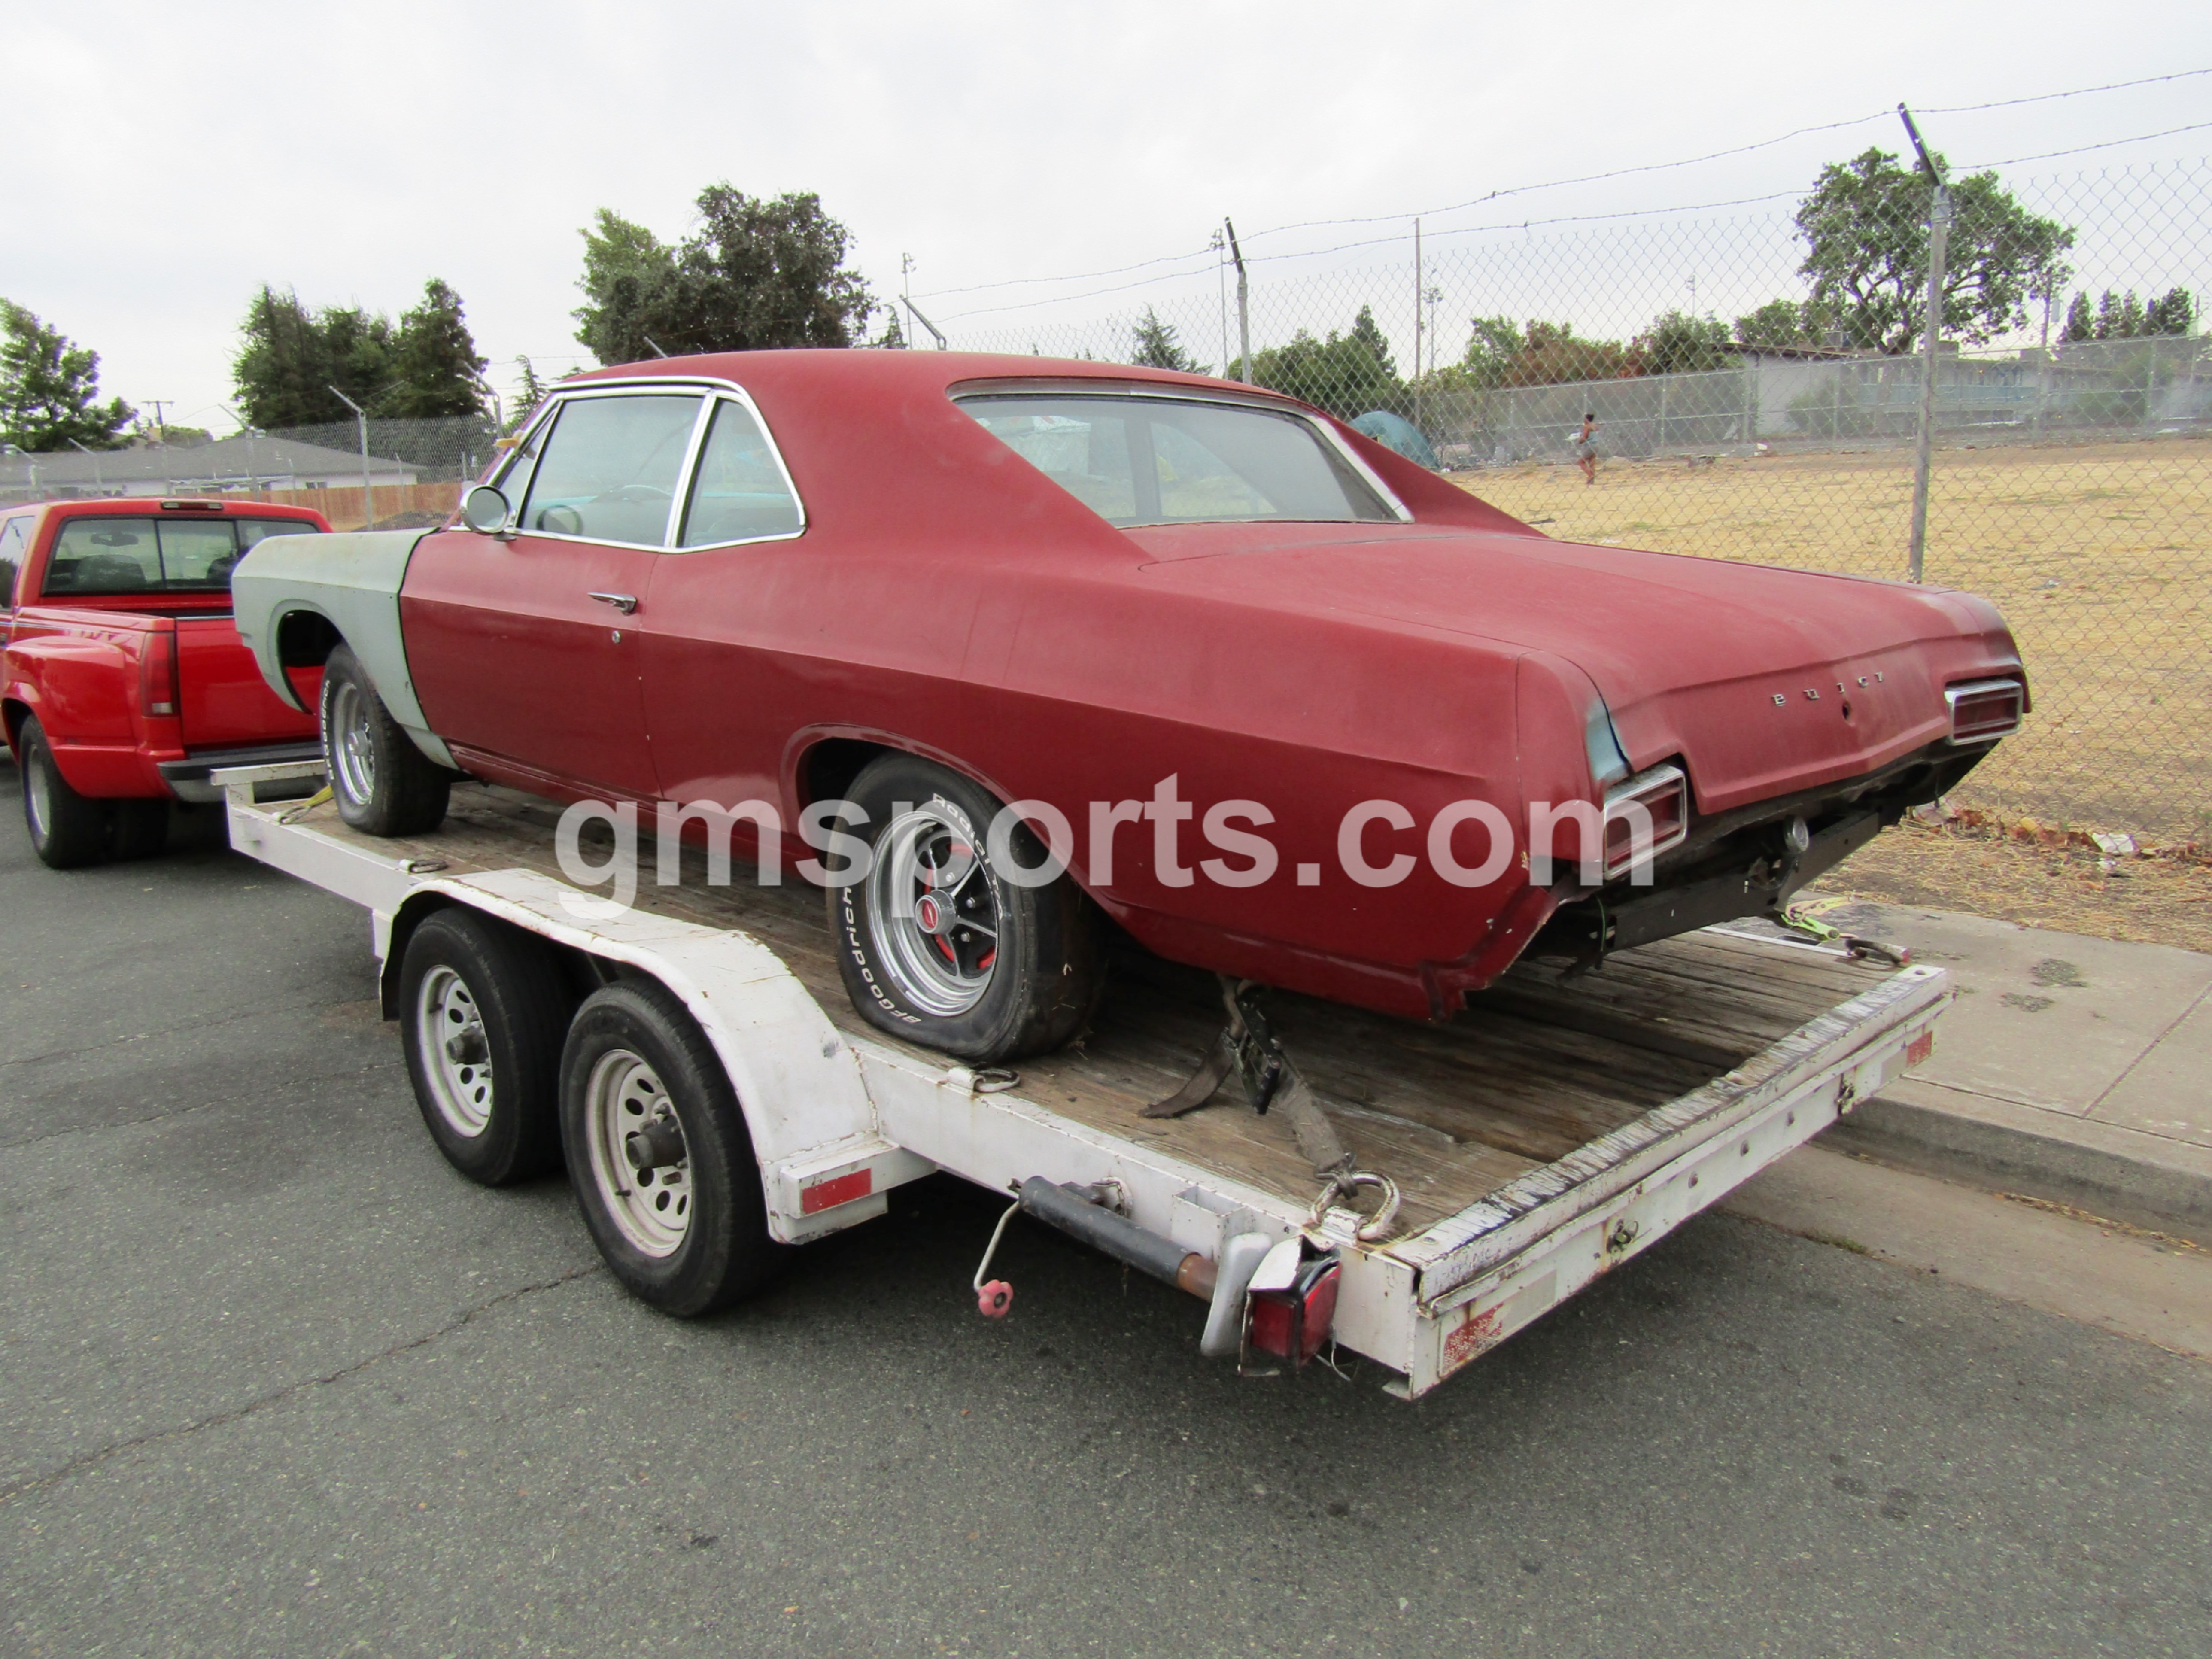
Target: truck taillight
<point x="157" y="674"/>
<point x="1982" y="711"/>
<point x="1646" y="816"/>
<point x="1292" y="1323"/>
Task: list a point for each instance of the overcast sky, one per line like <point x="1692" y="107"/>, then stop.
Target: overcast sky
<point x="162" y="162"/>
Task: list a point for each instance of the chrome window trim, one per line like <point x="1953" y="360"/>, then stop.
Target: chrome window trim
<point x="711" y="390"/>
<point x="1275" y="403"/>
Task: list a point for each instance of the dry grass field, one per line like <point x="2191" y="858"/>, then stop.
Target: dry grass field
<point x="2099" y="555"/>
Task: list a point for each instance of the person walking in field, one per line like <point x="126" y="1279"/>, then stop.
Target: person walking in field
<point x="1586" y="448"/>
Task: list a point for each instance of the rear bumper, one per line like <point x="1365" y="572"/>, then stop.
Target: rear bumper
<point x="188" y="778"/>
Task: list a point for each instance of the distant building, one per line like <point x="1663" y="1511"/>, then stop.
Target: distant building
<point x="243" y="463"/>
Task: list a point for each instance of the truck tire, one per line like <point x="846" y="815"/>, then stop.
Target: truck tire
<point x="688" y="1232"/>
<point x="68" y="831"/>
<point x="382" y="783"/>
<point x="482" y="1011"/>
<point x="980" y="967"/>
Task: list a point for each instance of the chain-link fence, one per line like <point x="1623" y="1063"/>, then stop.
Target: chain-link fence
<point x="1745" y="408"/>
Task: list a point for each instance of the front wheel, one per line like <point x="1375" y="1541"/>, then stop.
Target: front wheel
<point x="383" y="784"/>
<point x="659" y="1154"/>
<point x="68" y="831"/>
<point x="938" y="946"/>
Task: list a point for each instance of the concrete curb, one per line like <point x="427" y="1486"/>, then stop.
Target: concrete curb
<point x="2169" y="1197"/>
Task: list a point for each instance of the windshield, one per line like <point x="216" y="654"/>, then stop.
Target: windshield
<point x="1168" y="460"/>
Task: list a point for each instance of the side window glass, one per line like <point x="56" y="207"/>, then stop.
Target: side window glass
<point x="198" y="554"/>
<point x="1084" y="450"/>
<point x="740" y="494"/>
<point x="514" y="478"/>
<point x="251" y="531"/>
<point x="105" y="555"/>
<point x="14" y="542"/>
<point x="609" y="470"/>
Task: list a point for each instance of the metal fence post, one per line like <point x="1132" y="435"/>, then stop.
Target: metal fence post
<point x="1939" y="235"/>
<point x="361" y="420"/>
<point x="1244" y="306"/>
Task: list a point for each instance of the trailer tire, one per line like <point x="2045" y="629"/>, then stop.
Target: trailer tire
<point x="690" y="1235"/>
<point x="928" y="981"/>
<point x="482" y="1010"/>
<point x="68" y="831"/>
<point x="382" y="783"/>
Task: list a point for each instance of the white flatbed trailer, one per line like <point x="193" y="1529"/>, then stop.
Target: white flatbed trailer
<point x="1556" y="1129"/>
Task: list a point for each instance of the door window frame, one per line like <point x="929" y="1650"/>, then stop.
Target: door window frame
<point x="514" y="480"/>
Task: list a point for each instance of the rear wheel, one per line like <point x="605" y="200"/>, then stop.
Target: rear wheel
<point x="383" y="784"/>
<point x="659" y="1154"/>
<point x="482" y="1007"/>
<point x="938" y="946"/>
<point x="68" y="831"/>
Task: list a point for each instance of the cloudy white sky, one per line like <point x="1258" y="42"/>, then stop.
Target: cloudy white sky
<point x="162" y="161"/>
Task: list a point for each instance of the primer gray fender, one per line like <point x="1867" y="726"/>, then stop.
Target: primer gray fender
<point x="352" y="582"/>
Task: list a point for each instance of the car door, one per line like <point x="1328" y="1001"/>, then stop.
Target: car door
<point x="522" y="645"/>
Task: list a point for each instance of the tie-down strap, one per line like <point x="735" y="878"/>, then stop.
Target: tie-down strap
<point x="1248" y="1046"/>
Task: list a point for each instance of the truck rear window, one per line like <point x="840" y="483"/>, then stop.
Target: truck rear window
<point x="106" y="555"/>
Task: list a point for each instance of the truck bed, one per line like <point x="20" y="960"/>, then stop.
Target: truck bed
<point x="1534" y="1071"/>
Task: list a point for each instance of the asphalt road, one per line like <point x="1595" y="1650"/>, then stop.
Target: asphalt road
<point x="277" y="1381"/>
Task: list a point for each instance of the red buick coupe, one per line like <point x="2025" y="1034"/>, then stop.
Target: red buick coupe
<point x="1276" y="700"/>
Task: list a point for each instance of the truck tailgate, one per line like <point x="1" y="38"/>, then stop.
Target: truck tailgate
<point x="227" y="704"/>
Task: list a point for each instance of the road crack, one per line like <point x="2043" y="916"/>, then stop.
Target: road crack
<point x="278" y="1396"/>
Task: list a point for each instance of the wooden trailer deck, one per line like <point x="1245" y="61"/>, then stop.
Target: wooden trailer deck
<point x="1451" y="1112"/>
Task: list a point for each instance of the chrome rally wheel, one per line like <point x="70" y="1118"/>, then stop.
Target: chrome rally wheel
<point x="351" y="745"/>
<point x="641" y="1161"/>
<point x="934" y="912"/>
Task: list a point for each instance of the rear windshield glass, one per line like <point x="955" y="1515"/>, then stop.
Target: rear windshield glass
<point x="1163" y="460"/>
<point x="113" y="554"/>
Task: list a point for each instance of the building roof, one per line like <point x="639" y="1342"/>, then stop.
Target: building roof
<point x="234" y="460"/>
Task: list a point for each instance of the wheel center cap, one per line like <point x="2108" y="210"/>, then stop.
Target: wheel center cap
<point x="931" y="915"/>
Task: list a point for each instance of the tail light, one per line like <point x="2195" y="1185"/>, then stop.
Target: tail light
<point x="1982" y="711"/>
<point x="1292" y="1322"/>
<point x="1658" y="798"/>
<point x="157" y="674"/>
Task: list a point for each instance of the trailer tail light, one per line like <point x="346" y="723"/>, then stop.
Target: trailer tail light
<point x="1982" y="711"/>
<point x="157" y="674"/>
<point x="1291" y="1323"/>
<point x="1646" y="816"/>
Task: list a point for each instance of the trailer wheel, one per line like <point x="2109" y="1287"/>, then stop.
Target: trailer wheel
<point x="937" y="947"/>
<point x="482" y="1007"/>
<point x="660" y="1156"/>
<point x="383" y="784"/>
<point x="68" y="831"/>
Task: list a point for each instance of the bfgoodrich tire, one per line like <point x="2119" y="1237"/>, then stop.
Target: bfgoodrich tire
<point x="481" y="1014"/>
<point x="382" y="783"/>
<point x="938" y="947"/>
<point x="660" y="1155"/>
<point x="68" y="831"/>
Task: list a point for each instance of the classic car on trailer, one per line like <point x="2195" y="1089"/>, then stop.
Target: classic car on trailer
<point x="886" y="594"/>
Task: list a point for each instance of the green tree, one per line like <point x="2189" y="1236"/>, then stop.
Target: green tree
<point x="1781" y="322"/>
<point x="756" y="273"/>
<point x="2080" y="322"/>
<point x="2119" y="316"/>
<point x="1157" y="346"/>
<point x="1679" y="343"/>
<point x="435" y="368"/>
<point x="283" y="370"/>
<point x="1346" y="374"/>
<point x="1865" y="226"/>
<point x="2175" y="314"/>
<point x="49" y="389"/>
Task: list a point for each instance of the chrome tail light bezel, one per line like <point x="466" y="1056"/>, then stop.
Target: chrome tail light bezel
<point x="1982" y="729"/>
<point x="1664" y="793"/>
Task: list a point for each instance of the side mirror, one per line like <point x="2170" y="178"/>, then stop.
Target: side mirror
<point x="484" y="510"/>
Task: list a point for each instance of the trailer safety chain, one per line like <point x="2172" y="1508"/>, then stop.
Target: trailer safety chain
<point x="1803" y="917"/>
<point x="1248" y="1047"/>
<point x="1371" y="1230"/>
<point x="993" y="1299"/>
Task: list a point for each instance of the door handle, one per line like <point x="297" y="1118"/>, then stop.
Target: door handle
<point x="624" y="603"/>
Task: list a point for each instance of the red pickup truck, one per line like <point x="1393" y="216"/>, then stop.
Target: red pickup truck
<point x="123" y="683"/>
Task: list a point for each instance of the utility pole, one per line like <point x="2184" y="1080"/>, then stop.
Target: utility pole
<point x="360" y="424"/>
<point x="906" y="284"/>
<point x="1939" y="235"/>
<point x="1243" y="305"/>
<point x="97" y="483"/>
<point x="160" y="426"/>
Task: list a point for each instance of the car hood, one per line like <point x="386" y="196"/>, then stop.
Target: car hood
<point x="1763" y="680"/>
